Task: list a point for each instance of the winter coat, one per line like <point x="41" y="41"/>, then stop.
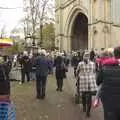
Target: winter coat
<point x="75" y="61"/>
<point x="60" y="68"/>
<point x="25" y="63"/>
<point x="87" y="77"/>
<point x="42" y="66"/>
<point x="4" y="80"/>
<point x="109" y="77"/>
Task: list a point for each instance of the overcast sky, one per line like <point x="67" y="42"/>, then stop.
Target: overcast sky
<point x="10" y="18"/>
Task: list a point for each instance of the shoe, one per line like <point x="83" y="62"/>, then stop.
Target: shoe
<point x="88" y="114"/>
<point x="42" y="97"/>
<point x="38" y="97"/>
<point x="57" y="89"/>
<point x="61" y="90"/>
<point x="20" y="83"/>
<point x="84" y="109"/>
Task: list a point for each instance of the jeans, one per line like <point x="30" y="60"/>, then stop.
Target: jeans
<point x="41" y="86"/>
<point x="32" y="76"/>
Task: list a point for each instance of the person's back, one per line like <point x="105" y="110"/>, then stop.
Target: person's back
<point x="42" y="69"/>
<point x="110" y="84"/>
<point x="109" y="78"/>
<point x="42" y="65"/>
<point x="26" y="63"/>
<point x="58" y="61"/>
<point x="4" y="81"/>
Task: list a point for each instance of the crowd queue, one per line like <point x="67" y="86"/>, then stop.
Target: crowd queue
<point x="96" y="73"/>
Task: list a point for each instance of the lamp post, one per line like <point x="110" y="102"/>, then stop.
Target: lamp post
<point x="41" y="36"/>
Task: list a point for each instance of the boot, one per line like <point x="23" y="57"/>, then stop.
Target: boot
<point x="87" y="114"/>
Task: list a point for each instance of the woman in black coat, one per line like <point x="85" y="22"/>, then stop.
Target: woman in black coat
<point x="109" y="78"/>
<point x="59" y="72"/>
<point x="4" y="80"/>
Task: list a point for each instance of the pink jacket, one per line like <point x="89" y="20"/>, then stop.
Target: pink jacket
<point x="110" y="61"/>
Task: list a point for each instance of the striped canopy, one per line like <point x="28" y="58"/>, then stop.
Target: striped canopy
<point x="5" y="42"/>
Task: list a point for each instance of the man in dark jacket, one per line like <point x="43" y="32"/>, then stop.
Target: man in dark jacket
<point x="42" y="69"/>
<point x="109" y="78"/>
<point x="4" y="81"/>
<point x="60" y="71"/>
<point x="25" y="64"/>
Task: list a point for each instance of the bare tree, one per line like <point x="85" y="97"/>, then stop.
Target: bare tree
<point x="3" y="32"/>
<point x="37" y="13"/>
<point x="30" y="21"/>
<point x="42" y="17"/>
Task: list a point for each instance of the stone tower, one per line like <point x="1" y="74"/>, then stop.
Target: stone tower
<point x="82" y="24"/>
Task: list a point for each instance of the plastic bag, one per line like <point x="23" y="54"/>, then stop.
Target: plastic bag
<point x="96" y="103"/>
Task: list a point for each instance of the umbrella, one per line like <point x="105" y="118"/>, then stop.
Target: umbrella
<point x="6" y="42"/>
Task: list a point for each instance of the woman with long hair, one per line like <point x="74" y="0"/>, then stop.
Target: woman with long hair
<point x="87" y="81"/>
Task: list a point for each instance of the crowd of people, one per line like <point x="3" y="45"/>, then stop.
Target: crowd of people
<point x="96" y="73"/>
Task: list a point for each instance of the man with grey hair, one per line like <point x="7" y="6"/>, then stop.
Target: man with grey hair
<point x="42" y="68"/>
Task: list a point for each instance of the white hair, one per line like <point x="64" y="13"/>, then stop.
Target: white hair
<point x="25" y="53"/>
<point x="39" y="51"/>
<point x="43" y="51"/>
<point x="59" y="54"/>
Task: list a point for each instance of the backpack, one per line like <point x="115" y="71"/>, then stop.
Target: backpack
<point x="2" y="73"/>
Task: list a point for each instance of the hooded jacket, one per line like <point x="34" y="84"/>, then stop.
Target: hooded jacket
<point x="109" y="77"/>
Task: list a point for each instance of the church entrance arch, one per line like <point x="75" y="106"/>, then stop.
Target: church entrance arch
<point x="79" y="32"/>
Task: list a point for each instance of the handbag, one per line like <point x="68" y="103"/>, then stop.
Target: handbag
<point x="63" y="67"/>
<point x="93" y="93"/>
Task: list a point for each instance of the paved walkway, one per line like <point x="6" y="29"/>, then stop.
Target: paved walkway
<point x="56" y="106"/>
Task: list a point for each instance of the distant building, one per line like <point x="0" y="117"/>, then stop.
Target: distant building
<point x="87" y="24"/>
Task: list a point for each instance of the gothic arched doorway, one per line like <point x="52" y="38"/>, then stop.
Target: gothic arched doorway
<point x="79" y="37"/>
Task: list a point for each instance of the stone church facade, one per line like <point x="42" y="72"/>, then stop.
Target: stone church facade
<point x="82" y="24"/>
